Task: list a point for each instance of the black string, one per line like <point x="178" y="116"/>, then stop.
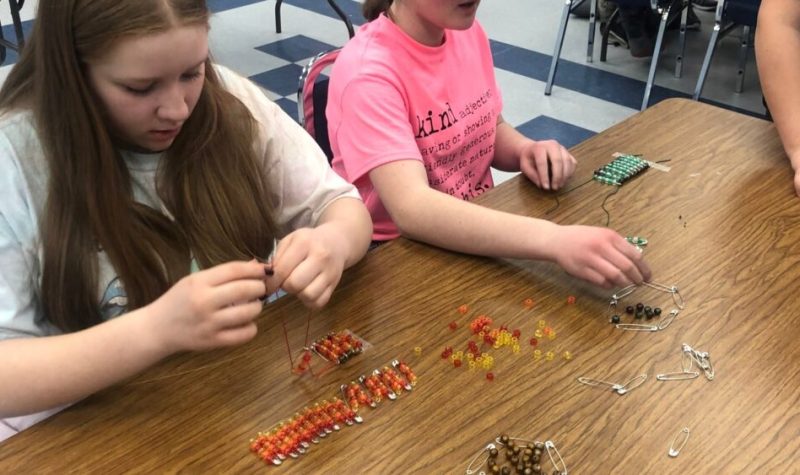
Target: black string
<point x="564" y="193"/>
<point x="608" y="215"/>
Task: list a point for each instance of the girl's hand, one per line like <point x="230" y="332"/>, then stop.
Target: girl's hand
<point x="599" y="256"/>
<point x="212" y="308"/>
<point x="537" y="157"/>
<point x="309" y="263"/>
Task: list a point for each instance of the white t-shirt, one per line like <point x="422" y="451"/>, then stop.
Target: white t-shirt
<point x="302" y="185"/>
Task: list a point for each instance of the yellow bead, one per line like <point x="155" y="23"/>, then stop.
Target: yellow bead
<point x="537" y="354"/>
<point x="567" y="355"/>
<point x="549" y="356"/>
<point x="514" y="340"/>
<point x="459" y="354"/>
<point x="417" y="350"/>
<point x="472" y="365"/>
<point x="515" y="349"/>
<point x="452" y="357"/>
<point x="496" y="346"/>
<point x="552" y="335"/>
<point x="542" y="324"/>
<point x="484" y="354"/>
<point x="470" y="356"/>
<point x="478" y="359"/>
<point x="538" y="334"/>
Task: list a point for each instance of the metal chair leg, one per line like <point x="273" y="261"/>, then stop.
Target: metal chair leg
<point x="662" y="26"/>
<point x="16" y="6"/>
<point x="343" y="16"/>
<point x="592" y="19"/>
<point x="278" y="16"/>
<point x="559" y="43"/>
<point x="681" y="40"/>
<point x="606" y="34"/>
<point x="712" y="44"/>
<point x="744" y="46"/>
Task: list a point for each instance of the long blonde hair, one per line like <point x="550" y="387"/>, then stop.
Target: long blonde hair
<point x="210" y="180"/>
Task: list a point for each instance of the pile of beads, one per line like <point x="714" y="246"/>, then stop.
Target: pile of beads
<point x="338" y="347"/>
<point x="620" y="170"/>
<point x="293" y="437"/>
<point x="527" y="457"/>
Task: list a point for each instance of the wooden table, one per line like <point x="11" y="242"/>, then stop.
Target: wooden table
<point x="723" y="225"/>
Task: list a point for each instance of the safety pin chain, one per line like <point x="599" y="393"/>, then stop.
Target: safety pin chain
<point x="528" y="455"/>
<point x="641" y="311"/>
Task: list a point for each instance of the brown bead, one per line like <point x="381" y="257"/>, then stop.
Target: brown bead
<point x="527" y="452"/>
<point x="493" y="453"/>
<point x="516" y="450"/>
<point x="514" y="460"/>
<point x="528" y="471"/>
<point x="530" y="445"/>
<point x="536" y="458"/>
<point x="537" y="468"/>
<point x="494" y="469"/>
<point x="539" y="445"/>
<point x="504" y="439"/>
<point x="505" y="471"/>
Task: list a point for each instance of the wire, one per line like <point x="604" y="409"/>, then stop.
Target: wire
<point x="564" y="193"/>
<point x="608" y="215"/>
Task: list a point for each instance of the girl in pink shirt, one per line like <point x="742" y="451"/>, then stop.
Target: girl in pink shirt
<point x="414" y="119"/>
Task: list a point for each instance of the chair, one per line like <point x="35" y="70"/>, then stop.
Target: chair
<point x="15" y="6"/>
<point x="333" y="5"/>
<point x="729" y="15"/>
<point x="312" y="97"/>
<point x="667" y="10"/>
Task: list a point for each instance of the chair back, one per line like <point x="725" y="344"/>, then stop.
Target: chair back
<point x="312" y="98"/>
<point x="742" y="12"/>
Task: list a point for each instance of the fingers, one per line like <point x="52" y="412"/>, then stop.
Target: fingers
<point x="237" y="335"/>
<point x="633" y="265"/>
<point x="231" y="271"/>
<point x="238" y="315"/>
<point x="540" y="162"/>
<point x="234" y="293"/>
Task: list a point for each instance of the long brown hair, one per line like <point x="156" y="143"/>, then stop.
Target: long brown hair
<point x="210" y="180"/>
<point x="372" y="9"/>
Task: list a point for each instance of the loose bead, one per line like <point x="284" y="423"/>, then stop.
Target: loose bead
<point x="639" y="307"/>
<point x="567" y="355"/>
<point x="538" y="334"/>
<point x="537" y="354"/>
<point x="549" y="356"/>
<point x="629" y="310"/>
<point x="552" y="335"/>
<point x="417" y="350"/>
<point x="463" y="309"/>
<point x="528" y="303"/>
<point x="515" y="349"/>
<point x="534" y="342"/>
<point x="570" y="300"/>
<point x="490" y="376"/>
<point x="657" y="311"/>
<point x="457" y="363"/>
<point x="542" y="324"/>
<point x="453" y="325"/>
<point x="615" y="319"/>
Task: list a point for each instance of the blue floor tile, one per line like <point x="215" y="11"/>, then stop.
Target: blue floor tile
<point x="544" y="127"/>
<point x="282" y="81"/>
<point x="295" y="48"/>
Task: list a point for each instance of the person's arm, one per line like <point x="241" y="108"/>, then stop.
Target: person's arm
<point x="205" y="310"/>
<point x="597" y="255"/>
<point x="515" y="152"/>
<point x="778" y="58"/>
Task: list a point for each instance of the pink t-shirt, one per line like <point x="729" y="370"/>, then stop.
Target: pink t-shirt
<point x="392" y="98"/>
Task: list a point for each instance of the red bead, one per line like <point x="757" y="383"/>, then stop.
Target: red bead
<point x="528" y="303"/>
<point x="457" y="363"/>
<point x="490" y="376"/>
<point x="571" y="299"/>
<point x="516" y="333"/>
<point x="453" y="325"/>
<point x="534" y="342"/>
<point x="463" y="309"/>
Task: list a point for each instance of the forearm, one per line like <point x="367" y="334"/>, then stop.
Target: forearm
<point x="778" y="56"/>
<point x="350" y="220"/>
<point x="42" y="373"/>
<point x="444" y="221"/>
<point x="507" y="147"/>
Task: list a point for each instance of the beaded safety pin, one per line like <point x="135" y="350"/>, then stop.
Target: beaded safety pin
<point x="486" y="449"/>
<point x="641" y="327"/>
<point x="675" y="450"/>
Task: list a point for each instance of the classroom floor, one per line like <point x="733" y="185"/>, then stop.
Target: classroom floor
<point x="587" y="97"/>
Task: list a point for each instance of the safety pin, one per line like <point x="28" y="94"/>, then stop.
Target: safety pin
<point x="675" y="451"/>
<point x="560" y="466"/>
<point x="681" y="376"/>
<point x="598" y="383"/>
<point x="703" y="360"/>
<point x="685" y="358"/>
<point x="665" y="322"/>
<point x="627" y="386"/>
<point x="637" y="327"/>
<point x="676" y="296"/>
<point x="486" y="449"/>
